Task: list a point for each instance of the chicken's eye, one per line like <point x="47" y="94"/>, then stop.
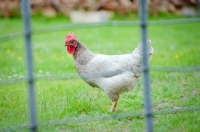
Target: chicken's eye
<point x="66" y="44"/>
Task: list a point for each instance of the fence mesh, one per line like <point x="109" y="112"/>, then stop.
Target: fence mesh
<point x="75" y="76"/>
<point x="103" y="117"/>
<point x="101" y="24"/>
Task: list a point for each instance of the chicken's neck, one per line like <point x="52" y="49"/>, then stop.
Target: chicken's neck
<point x="82" y="54"/>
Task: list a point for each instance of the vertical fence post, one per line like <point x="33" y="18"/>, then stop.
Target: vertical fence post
<point x="25" y="10"/>
<point x="146" y="80"/>
<point x="198" y="7"/>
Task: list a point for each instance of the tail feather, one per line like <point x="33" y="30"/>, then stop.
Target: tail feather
<point x="139" y="47"/>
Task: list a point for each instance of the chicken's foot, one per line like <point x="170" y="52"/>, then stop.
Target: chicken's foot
<point x="114" y="105"/>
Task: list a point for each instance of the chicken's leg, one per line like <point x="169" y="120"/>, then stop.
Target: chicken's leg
<point x="114" y="105"/>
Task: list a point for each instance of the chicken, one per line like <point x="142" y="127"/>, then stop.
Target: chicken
<point x="114" y="74"/>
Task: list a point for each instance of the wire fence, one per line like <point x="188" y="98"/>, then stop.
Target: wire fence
<point x="101" y="118"/>
<point x="100" y="24"/>
<point x="97" y="75"/>
<point x="148" y="113"/>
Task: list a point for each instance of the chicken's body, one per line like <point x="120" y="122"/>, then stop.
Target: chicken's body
<point x="115" y="74"/>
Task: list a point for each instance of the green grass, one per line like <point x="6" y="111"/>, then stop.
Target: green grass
<point x="174" y="45"/>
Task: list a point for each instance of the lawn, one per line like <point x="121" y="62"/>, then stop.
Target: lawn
<point x="59" y="99"/>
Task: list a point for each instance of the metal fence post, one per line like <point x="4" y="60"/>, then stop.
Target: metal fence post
<point x="146" y="80"/>
<point x="25" y="10"/>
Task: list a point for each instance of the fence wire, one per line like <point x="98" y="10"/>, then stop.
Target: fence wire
<point x="101" y="24"/>
<point x="101" y="118"/>
<point x="97" y="75"/>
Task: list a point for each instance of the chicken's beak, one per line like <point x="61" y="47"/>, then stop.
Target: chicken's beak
<point x="66" y="45"/>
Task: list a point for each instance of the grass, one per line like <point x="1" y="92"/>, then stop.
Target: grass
<point x="174" y="45"/>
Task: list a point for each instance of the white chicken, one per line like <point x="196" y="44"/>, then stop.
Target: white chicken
<point x="115" y="74"/>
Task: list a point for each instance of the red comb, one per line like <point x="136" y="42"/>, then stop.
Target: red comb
<point x="70" y="36"/>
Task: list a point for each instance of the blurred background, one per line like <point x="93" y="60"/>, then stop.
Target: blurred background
<point x="76" y="9"/>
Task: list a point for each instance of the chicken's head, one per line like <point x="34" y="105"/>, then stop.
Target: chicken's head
<point x="71" y="43"/>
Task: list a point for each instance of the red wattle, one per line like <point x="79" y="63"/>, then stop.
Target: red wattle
<point x="71" y="49"/>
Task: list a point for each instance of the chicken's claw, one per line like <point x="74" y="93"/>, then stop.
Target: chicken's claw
<point x="114" y="105"/>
